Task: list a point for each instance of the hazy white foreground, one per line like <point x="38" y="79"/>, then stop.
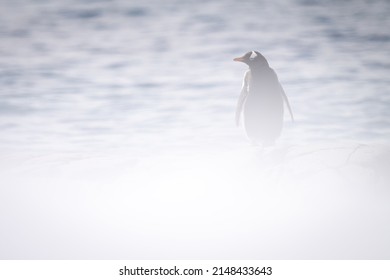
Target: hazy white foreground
<point x="319" y="201"/>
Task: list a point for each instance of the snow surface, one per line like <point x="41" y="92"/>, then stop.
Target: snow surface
<point x="118" y="138"/>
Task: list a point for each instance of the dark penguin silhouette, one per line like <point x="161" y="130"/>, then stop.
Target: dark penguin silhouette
<point x="261" y="100"/>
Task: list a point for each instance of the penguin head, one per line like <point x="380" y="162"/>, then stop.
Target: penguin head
<point x="253" y="58"/>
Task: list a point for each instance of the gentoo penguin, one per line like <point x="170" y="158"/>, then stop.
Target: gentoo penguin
<point x="261" y="101"/>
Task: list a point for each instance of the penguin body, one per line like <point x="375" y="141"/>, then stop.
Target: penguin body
<point x="261" y="101"/>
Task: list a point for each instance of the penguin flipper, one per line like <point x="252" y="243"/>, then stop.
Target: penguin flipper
<point x="243" y="96"/>
<point x="287" y="103"/>
<point x="284" y="96"/>
<point x="240" y="104"/>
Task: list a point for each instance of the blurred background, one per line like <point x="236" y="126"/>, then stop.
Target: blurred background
<point x="118" y="138"/>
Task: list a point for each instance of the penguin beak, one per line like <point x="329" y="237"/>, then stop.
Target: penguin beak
<point x="240" y="59"/>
